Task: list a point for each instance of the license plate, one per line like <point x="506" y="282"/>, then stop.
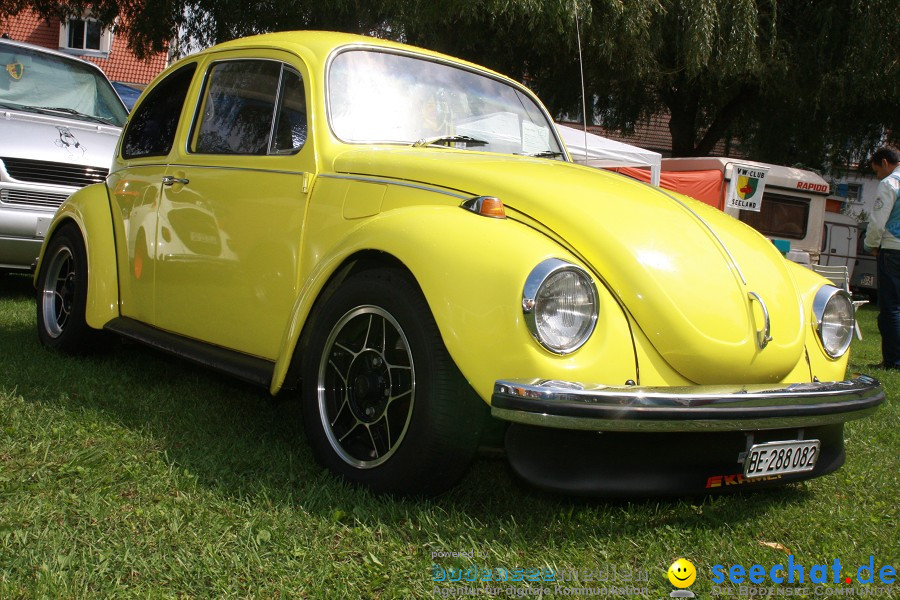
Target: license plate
<point x="780" y="458"/>
<point x="867" y="281"/>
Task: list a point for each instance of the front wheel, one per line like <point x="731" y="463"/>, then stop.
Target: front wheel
<point x="384" y="405"/>
<point x="62" y="294"/>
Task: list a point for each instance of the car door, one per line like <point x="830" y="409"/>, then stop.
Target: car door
<point x="233" y="203"/>
<point x="135" y="185"/>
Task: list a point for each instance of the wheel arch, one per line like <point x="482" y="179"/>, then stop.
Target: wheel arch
<point x="89" y="210"/>
<point x="359" y="261"/>
<point x="470" y="270"/>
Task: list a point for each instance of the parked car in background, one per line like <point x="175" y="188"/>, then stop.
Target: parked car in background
<point x="60" y="120"/>
<point x="129" y="94"/>
<point x="864" y="280"/>
<point x="400" y="238"/>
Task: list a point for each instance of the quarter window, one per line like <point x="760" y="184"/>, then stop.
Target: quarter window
<point x="290" y="123"/>
<point x="151" y="131"/>
<point x="239" y="109"/>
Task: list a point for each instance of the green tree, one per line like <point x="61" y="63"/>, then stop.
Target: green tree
<point x="797" y="81"/>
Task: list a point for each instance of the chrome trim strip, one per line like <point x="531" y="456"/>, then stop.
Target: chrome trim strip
<point x="389" y="181"/>
<point x="708" y="228"/>
<point x="571" y="405"/>
<point x="226" y="168"/>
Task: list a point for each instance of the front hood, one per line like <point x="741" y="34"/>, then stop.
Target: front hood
<point x="48" y="138"/>
<point x="683" y="270"/>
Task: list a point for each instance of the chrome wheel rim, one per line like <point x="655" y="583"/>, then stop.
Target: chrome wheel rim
<point x="58" y="291"/>
<point x="366" y="387"/>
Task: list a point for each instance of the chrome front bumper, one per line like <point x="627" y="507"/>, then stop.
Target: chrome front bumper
<point x="569" y="405"/>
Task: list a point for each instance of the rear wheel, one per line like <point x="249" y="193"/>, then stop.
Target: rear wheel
<point x="62" y="294"/>
<point x="384" y="405"/>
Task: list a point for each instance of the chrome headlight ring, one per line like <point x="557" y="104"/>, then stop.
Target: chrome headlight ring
<point x="559" y="303"/>
<point x="835" y="320"/>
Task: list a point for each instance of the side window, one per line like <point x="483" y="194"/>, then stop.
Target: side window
<point x="241" y="101"/>
<point x="238" y="106"/>
<point x="151" y="131"/>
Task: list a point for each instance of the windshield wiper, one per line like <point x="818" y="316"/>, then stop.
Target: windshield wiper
<point x="446" y="140"/>
<point x="543" y="154"/>
<point x="69" y="111"/>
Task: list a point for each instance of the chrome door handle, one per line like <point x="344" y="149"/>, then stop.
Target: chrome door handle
<point x="169" y="180"/>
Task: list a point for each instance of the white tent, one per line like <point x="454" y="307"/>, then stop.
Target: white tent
<point x="603" y="152"/>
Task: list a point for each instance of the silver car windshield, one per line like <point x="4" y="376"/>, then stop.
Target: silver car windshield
<point x="377" y="97"/>
<point x="44" y="83"/>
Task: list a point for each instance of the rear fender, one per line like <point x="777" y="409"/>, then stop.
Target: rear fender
<point x="89" y="209"/>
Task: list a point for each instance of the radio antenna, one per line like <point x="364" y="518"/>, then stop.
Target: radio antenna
<point x="583" y="95"/>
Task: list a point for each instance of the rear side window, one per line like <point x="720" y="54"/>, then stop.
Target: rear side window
<point x="151" y="131"/>
<point x="254" y="107"/>
<point x="779" y="216"/>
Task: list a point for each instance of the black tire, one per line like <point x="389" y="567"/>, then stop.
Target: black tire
<point x="384" y="406"/>
<point x="62" y="294"/>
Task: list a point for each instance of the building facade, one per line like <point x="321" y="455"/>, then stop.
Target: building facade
<point x="86" y="39"/>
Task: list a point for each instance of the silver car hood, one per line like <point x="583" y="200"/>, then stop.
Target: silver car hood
<point x="54" y="139"/>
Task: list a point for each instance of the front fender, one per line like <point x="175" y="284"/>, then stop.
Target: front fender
<point x="472" y="271"/>
<point x="89" y="209"/>
<point x="821" y="366"/>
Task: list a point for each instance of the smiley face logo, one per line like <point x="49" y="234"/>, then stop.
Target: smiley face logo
<point x="682" y="573"/>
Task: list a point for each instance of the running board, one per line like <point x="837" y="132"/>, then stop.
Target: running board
<point x="247" y="368"/>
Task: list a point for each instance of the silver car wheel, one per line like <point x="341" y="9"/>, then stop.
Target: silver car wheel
<point x="366" y="386"/>
<point x="59" y="291"/>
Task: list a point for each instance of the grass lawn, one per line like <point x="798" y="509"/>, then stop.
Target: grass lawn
<point x="132" y="474"/>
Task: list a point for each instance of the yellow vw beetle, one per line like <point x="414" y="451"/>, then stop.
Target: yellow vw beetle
<point x="401" y="237"/>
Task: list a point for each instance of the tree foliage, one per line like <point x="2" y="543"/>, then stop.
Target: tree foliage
<point x="797" y="81"/>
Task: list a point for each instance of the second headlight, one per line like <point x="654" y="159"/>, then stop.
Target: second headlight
<point x="560" y="305"/>
<point x="835" y="320"/>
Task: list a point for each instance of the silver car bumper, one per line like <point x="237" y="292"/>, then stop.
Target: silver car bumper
<point x="569" y="405"/>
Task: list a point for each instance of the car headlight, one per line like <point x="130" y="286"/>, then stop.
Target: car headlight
<point x="835" y="319"/>
<point x="560" y="305"/>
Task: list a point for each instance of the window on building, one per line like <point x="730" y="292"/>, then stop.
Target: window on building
<point x="854" y="192"/>
<point x="84" y="36"/>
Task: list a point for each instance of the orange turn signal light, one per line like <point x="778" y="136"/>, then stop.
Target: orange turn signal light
<point x="486" y="206"/>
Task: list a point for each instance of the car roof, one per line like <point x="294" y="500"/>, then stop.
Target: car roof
<point x="321" y="43"/>
<point x="44" y="50"/>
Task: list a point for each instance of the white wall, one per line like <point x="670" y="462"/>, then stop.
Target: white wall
<point x="869" y="186"/>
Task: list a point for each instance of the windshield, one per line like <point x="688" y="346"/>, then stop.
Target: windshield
<point x="382" y="97"/>
<point x="34" y="81"/>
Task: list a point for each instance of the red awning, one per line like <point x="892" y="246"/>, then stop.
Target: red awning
<point x="706" y="186"/>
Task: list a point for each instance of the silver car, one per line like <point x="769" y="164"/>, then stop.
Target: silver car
<point x="60" y="120"/>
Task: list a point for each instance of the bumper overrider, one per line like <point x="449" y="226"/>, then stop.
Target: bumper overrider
<point x="629" y="440"/>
